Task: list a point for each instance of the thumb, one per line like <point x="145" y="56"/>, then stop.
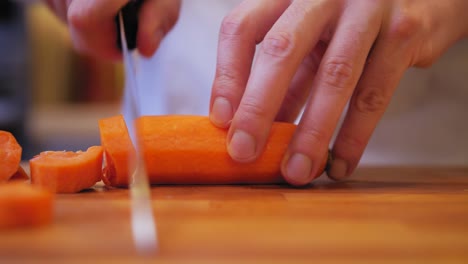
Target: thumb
<point x="157" y="18"/>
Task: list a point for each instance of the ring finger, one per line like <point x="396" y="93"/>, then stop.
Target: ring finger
<point x="387" y="63"/>
<point x="338" y="74"/>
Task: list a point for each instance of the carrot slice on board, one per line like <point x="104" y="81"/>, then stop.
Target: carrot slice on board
<point x="10" y="155"/>
<point x="67" y="171"/>
<point x="191" y="150"/>
<point x="23" y="205"/>
<point x="119" y="152"/>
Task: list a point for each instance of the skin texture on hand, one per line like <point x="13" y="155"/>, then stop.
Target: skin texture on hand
<point x="325" y="56"/>
<point x="93" y="29"/>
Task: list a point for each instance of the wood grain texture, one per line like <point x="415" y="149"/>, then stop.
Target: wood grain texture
<point x="381" y="215"/>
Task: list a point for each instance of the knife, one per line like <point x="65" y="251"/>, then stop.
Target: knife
<point x="142" y="219"/>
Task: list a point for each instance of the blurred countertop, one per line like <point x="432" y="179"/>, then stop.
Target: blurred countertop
<point x="399" y="215"/>
<point x="68" y="126"/>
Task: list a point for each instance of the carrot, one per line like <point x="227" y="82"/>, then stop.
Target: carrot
<point x="119" y="152"/>
<point x="19" y="175"/>
<point x="10" y="155"/>
<point x="187" y="150"/>
<point x="23" y="205"/>
<point x="190" y="150"/>
<point x="67" y="171"/>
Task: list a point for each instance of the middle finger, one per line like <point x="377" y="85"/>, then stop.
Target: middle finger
<point x="338" y="74"/>
<point x="290" y="39"/>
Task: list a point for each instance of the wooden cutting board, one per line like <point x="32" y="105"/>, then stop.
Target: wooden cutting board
<point x="413" y="215"/>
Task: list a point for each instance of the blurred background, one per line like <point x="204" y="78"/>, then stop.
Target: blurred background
<point x="51" y="97"/>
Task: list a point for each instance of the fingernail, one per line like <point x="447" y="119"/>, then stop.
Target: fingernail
<point x="221" y="113"/>
<point x="338" y="169"/>
<point x="298" y="169"/>
<point x="242" y="146"/>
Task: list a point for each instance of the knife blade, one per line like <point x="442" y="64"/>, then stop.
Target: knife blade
<point x="143" y="222"/>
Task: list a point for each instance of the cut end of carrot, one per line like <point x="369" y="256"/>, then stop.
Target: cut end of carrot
<point x="119" y="152"/>
<point x="23" y="205"/>
<point x="10" y="155"/>
<point x="67" y="171"/>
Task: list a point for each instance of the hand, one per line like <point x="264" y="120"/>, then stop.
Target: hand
<point x="93" y="29"/>
<point x="321" y="54"/>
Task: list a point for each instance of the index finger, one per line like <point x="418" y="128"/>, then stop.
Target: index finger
<point x="92" y="27"/>
<point x="289" y="41"/>
<point x="240" y="32"/>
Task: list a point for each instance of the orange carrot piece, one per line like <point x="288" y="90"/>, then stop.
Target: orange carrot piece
<point x="191" y="150"/>
<point x="119" y="152"/>
<point x="10" y="155"/>
<point x="20" y="175"/>
<point x="23" y="205"/>
<point x="187" y="150"/>
<point x="67" y="171"/>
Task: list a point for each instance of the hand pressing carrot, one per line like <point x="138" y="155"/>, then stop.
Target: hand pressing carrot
<point x="66" y="171"/>
<point x="191" y="150"/>
<point x="23" y="205"/>
<point x="10" y="155"/>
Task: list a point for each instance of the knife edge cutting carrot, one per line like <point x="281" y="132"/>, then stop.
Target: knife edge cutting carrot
<point x="322" y="57"/>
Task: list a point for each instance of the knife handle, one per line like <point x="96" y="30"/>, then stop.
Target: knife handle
<point x="130" y="20"/>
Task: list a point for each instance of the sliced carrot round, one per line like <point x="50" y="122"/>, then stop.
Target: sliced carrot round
<point x="23" y="205"/>
<point x="10" y="155"/>
<point x="119" y="151"/>
<point x="67" y="171"/>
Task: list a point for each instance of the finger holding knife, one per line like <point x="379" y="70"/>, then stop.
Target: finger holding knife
<point x="93" y="28"/>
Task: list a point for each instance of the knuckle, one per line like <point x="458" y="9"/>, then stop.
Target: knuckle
<point x="370" y="101"/>
<point x="338" y="73"/>
<point x="252" y="110"/>
<point x="233" y="25"/>
<point x="279" y="44"/>
<point x="226" y="76"/>
<point x="77" y="19"/>
<point x="353" y="142"/>
<point x="311" y="135"/>
<point x="404" y="26"/>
